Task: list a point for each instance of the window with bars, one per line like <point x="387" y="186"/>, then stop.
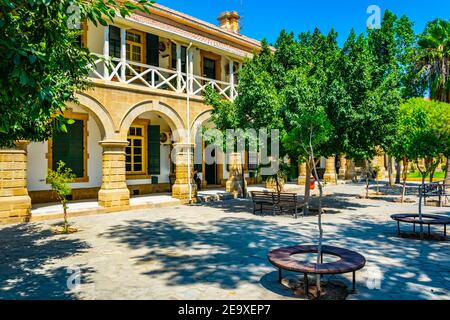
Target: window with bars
<point x="135" y="156"/>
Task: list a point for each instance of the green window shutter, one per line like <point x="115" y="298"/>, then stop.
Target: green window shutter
<point x="152" y="58"/>
<point x="69" y="148"/>
<point x="152" y="47"/>
<point x="154" y="150"/>
<point x="114" y="41"/>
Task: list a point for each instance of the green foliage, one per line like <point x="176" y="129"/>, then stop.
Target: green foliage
<point x="60" y="180"/>
<point x="423" y="130"/>
<point x="433" y="56"/>
<point x="309" y="124"/>
<point x="42" y="63"/>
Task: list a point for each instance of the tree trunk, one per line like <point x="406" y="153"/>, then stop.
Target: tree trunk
<point x="307" y="187"/>
<point x="66" y="220"/>
<point x="319" y="247"/>
<point x="391" y="171"/>
<point x="447" y="172"/>
<point x="421" y="195"/>
<point x="405" y="177"/>
<point x="399" y="171"/>
<point x="367" y="178"/>
<point x="244" y="191"/>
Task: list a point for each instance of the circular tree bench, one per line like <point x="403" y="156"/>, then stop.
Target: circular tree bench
<point x="427" y="219"/>
<point x="349" y="261"/>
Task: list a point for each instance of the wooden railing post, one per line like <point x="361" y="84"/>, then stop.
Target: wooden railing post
<point x="105" y="51"/>
<point x="123" y="52"/>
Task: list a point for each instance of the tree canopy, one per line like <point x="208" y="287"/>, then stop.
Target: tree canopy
<point x="42" y="63"/>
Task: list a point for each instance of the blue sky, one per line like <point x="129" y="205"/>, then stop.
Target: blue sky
<point x="265" y="19"/>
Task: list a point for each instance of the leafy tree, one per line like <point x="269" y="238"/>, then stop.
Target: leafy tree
<point x="433" y="56"/>
<point x="60" y="180"/>
<point x="423" y="133"/>
<point x="392" y="47"/>
<point x="42" y="63"/>
<point x="374" y="102"/>
<point x="310" y="128"/>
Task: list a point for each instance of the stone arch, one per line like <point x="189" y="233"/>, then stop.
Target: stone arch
<point x="201" y="118"/>
<point x="101" y="115"/>
<point x="173" y="119"/>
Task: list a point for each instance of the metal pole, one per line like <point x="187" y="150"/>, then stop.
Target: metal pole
<point x="188" y="79"/>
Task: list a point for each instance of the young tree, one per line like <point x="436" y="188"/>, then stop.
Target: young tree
<point x="42" y="63"/>
<point x="310" y="128"/>
<point x="423" y="133"/>
<point x="257" y="106"/>
<point x="60" y="180"/>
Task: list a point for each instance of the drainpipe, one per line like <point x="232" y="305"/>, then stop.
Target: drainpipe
<point x="188" y="80"/>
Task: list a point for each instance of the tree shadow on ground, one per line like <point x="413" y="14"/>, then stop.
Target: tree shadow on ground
<point x="233" y="251"/>
<point x="27" y="252"/>
<point x="228" y="252"/>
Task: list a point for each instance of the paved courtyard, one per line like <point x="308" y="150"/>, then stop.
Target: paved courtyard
<point x="216" y="251"/>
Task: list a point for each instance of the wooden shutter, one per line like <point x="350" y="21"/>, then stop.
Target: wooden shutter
<point x="152" y="48"/>
<point x="154" y="150"/>
<point x="114" y="41"/>
<point x="69" y="148"/>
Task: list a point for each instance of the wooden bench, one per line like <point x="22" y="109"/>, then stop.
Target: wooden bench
<point x="350" y="261"/>
<point x="436" y="189"/>
<point x="427" y="219"/>
<point x="283" y="202"/>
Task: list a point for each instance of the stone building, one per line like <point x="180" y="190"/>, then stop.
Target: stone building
<point x="146" y="101"/>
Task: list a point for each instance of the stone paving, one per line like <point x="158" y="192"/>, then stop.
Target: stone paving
<point x="216" y="251"/>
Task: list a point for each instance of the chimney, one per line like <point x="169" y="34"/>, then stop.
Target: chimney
<point x="229" y="20"/>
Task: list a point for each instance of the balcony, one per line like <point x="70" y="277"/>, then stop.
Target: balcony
<point x="129" y="72"/>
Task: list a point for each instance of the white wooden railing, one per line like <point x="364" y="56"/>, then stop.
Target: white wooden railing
<point x="129" y="72"/>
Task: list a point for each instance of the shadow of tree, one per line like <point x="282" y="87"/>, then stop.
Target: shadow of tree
<point x="227" y="252"/>
<point x="27" y="252"/>
<point x="233" y="251"/>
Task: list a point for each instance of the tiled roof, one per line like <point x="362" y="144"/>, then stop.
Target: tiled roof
<point x="197" y="31"/>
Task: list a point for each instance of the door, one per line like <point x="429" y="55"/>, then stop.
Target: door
<point x="209" y="68"/>
<point x="211" y="171"/>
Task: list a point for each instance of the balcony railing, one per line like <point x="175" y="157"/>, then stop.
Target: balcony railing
<point x="129" y="72"/>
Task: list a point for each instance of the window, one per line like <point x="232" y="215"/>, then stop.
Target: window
<point x="71" y="147"/>
<point x="135" y="51"/>
<point x="209" y="68"/>
<point x="135" y="160"/>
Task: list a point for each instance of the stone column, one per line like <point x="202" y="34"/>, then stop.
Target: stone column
<point x="302" y="174"/>
<point x="350" y="172"/>
<point x="342" y="168"/>
<point x="114" y="194"/>
<point x="235" y="181"/>
<point x="379" y="162"/>
<point x="330" y="171"/>
<point x="15" y="203"/>
<point x="184" y="187"/>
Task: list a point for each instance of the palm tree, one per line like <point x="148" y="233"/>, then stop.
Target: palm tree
<point x="434" y="62"/>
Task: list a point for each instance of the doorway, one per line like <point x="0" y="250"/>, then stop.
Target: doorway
<point x="211" y="170"/>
